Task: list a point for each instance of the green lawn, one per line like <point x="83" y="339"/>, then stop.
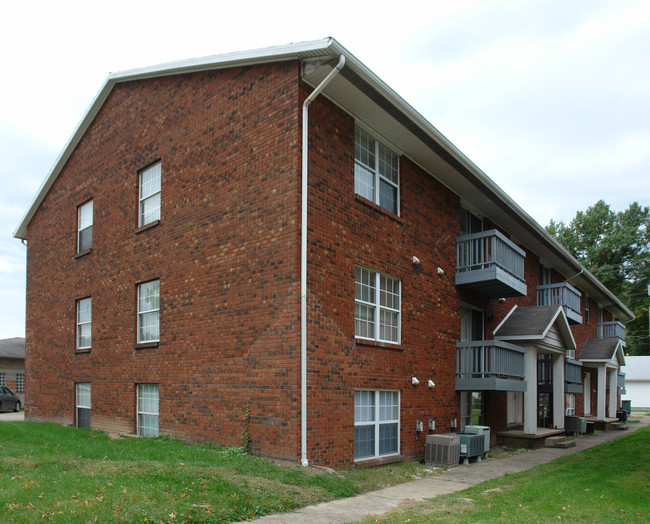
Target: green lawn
<point x="54" y="473"/>
<point x="608" y="483"/>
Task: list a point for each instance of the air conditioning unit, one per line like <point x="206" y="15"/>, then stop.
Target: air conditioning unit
<point x="480" y="430"/>
<point x="442" y="450"/>
<point x="575" y="424"/>
<point x="471" y="445"/>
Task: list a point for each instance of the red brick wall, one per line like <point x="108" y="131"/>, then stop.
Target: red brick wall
<point x="226" y="252"/>
<point x="346" y="230"/>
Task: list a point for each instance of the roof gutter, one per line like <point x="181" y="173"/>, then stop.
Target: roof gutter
<point x="303" y="257"/>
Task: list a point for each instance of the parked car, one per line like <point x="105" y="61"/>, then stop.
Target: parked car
<point x="8" y="400"/>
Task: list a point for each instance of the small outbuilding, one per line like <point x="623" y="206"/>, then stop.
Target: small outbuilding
<point x="637" y="381"/>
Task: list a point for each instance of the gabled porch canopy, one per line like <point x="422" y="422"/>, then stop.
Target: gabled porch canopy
<point x="546" y="326"/>
<point x="539" y="329"/>
<point x="605" y="355"/>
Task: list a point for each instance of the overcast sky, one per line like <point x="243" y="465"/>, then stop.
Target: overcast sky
<point x="550" y="98"/>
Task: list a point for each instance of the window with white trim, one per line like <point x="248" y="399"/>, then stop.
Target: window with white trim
<point x="150" y="195"/>
<point x="376" y="423"/>
<point x="587" y="312"/>
<point x="149" y="311"/>
<point x="85" y="227"/>
<point x="148" y="411"/>
<point x="376" y="171"/>
<point x="84" y="323"/>
<point x="83" y="405"/>
<point x="570" y="405"/>
<point x="20" y="382"/>
<point x="3" y="380"/>
<point x="377" y="306"/>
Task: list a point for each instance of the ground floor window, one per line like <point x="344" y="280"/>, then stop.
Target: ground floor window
<point x="570" y="405"/>
<point x="2" y="379"/>
<point x="148" y="410"/>
<point x="376" y="423"/>
<point x="20" y="382"/>
<point x="83" y="405"/>
<point x="515" y="407"/>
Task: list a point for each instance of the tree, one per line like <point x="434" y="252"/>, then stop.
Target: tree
<point x="615" y="247"/>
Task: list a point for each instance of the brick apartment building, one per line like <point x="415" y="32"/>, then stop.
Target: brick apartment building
<point x="165" y="282"/>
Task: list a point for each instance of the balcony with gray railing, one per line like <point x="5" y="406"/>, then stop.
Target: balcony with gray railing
<point x="572" y="376"/>
<point x="491" y="264"/>
<point x="612" y="330"/>
<point x="489" y="365"/>
<point x="563" y="294"/>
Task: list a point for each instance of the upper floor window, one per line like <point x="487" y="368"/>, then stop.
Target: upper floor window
<point x="544" y="275"/>
<point x="85" y="227"/>
<point x="377" y="306"/>
<point x="148" y="311"/>
<point x="587" y="312"/>
<point x="150" y="195"/>
<point x="2" y="379"/>
<point x="376" y="171"/>
<point x="84" y="323"/>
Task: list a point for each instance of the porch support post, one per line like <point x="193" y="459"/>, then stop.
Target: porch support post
<point x="530" y="395"/>
<point x="613" y="390"/>
<point x="558" y="391"/>
<point x="601" y="387"/>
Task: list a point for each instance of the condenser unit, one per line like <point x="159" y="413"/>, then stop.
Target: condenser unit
<point x="575" y="424"/>
<point x="480" y="430"/>
<point x="442" y="450"/>
<point x="471" y="445"/>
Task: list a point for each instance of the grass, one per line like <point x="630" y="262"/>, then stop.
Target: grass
<point x="52" y="473"/>
<point x="609" y="483"/>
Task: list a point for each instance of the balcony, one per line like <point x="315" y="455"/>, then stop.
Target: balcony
<point x="490" y="264"/>
<point x="572" y="376"/>
<point x="612" y="330"/>
<point x="564" y="295"/>
<point x="489" y="365"/>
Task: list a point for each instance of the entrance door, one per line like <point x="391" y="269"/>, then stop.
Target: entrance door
<point x="544" y="391"/>
<point x="544" y="410"/>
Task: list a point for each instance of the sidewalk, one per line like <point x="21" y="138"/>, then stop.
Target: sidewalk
<point x="455" y="479"/>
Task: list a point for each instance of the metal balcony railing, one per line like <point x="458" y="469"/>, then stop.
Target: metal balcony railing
<point x="611" y="330"/>
<point x="489" y="358"/>
<point x="563" y="294"/>
<point x="490" y="262"/>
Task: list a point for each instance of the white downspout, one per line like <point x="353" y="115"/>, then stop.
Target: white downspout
<point x="303" y="259"/>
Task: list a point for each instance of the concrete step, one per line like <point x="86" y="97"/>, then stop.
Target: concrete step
<point x="559" y="442"/>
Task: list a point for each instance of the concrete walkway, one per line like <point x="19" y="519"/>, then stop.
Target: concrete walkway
<point x="453" y="480"/>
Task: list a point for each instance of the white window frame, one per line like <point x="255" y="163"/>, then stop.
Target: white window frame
<point x="83" y="397"/>
<point x="20" y="382"/>
<point x="84" y="223"/>
<point x="587" y="310"/>
<point x="3" y="379"/>
<point x="85" y="323"/>
<point x="148" y="311"/>
<point x="570" y="409"/>
<point x="149" y="194"/>
<point x="148" y="410"/>
<point x="378" y="419"/>
<point x="373" y="303"/>
<point x="379" y="151"/>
